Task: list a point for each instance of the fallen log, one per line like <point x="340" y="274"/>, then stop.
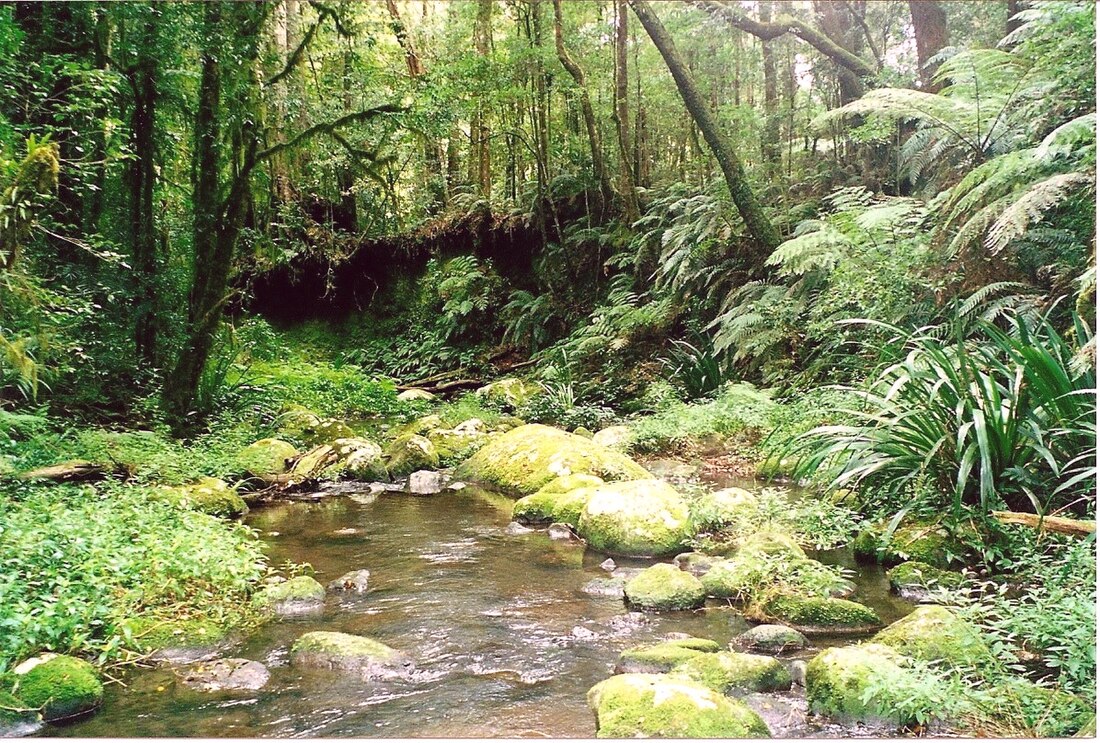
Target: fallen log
<point x="74" y="471"/>
<point x="1057" y="524"/>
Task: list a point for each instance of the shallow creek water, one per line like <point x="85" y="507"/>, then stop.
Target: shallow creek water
<point x="505" y="641"/>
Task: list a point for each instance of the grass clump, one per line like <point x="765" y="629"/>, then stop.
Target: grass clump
<point x="739" y="411"/>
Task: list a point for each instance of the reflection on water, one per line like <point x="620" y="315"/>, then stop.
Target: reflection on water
<point x="505" y="641"/>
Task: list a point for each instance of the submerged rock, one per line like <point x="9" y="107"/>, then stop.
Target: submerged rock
<point x="426" y="482"/>
<point x="664" y="588"/>
<point x="60" y="686"/>
<point x="695" y="563"/>
<point x="815" y="615"/>
<point x="917" y="581"/>
<point x="227" y="674"/>
<point x="639" y="518"/>
<point x="662" y="657"/>
<point x="561" y="532"/>
<point x="356" y="581"/>
<point x="209" y="495"/>
<point x="561" y="500"/>
<point x="367" y="658"/>
<point x="661" y="706"/>
<point x="736" y="673"/>
<point x="614" y="587"/>
<point x="775" y="639"/>
<point x="935" y="633"/>
<point x="17" y="718"/>
<point x="266" y="458"/>
<point x="300" y="595"/>
<point x="409" y="453"/>
<point x="528" y="457"/>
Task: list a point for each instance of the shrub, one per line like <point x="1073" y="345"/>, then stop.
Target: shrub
<point x="739" y="409"/>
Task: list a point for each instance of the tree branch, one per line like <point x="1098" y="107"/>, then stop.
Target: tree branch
<point x="328" y="128"/>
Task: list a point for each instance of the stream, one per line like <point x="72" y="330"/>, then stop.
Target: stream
<point x="506" y="642"/>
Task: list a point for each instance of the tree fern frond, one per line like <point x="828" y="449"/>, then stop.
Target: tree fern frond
<point x="1031" y="206"/>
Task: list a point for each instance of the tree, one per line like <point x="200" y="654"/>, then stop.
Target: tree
<point x="759" y="227"/>
<point x="930" y="30"/>
<point x="627" y="187"/>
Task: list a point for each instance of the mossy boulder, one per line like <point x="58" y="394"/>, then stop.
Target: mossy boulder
<point x="173" y="639"/>
<point x="930" y="543"/>
<point x="640" y="518"/>
<point x="209" y="495"/>
<point x="298" y="423"/>
<point x="613" y="437"/>
<point x="338" y="651"/>
<point x="641" y="705"/>
<point x="328" y="431"/>
<point x="917" y="581"/>
<point x="266" y="458"/>
<point x="409" y="453"/>
<point x="662" y="657"/>
<point x="774" y="639"/>
<point x="415" y="394"/>
<point x="60" y="686"/>
<point x="770" y="543"/>
<point x="509" y="393"/>
<point x="813" y="615"/>
<point x="299" y="595"/>
<point x="726" y="506"/>
<point x="736" y="673"/>
<point x="560" y="500"/>
<point x="749" y="574"/>
<point x="526" y="458"/>
<point x="456" y="444"/>
<point x="696" y="563"/>
<point x="17" y="718"/>
<point x="856" y="683"/>
<point x="664" y="587"/>
<point x="935" y="633"/>
<point x="359" y="459"/>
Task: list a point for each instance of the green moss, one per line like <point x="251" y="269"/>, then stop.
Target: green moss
<point x="528" y="457"/>
<point x="815" y="614"/>
<point x="61" y="687"/>
<point x="930" y="543"/>
<point x="13" y="711"/>
<point x="771" y="638"/>
<point x="752" y="573"/>
<point x="920" y="578"/>
<point x="936" y="633"/>
<point x="209" y="495"/>
<point x="342" y="645"/>
<point x="659" y="706"/>
<point x="853" y="683"/>
<point x="301" y="588"/>
<point x="266" y="457"/>
<point x="559" y="501"/>
<point x="509" y="393"/>
<point x="409" y="453"/>
<point x="359" y="459"/>
<point x="728" y="672"/>
<point x="664" y="588"/>
<point x="664" y="656"/>
<point x="148" y="634"/>
<point x="640" y="518"/>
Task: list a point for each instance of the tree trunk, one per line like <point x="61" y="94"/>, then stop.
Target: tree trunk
<point x="759" y="227"/>
<point x="836" y="21"/>
<point x="141" y="177"/>
<point x="631" y="210"/>
<point x="770" y="149"/>
<point x="1014" y="7"/>
<point x="930" y="29"/>
<point x="607" y="196"/>
<point x="480" y="161"/>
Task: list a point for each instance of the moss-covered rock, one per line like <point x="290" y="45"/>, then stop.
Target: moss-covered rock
<point x="509" y="393"/>
<point x="266" y="458"/>
<point x="856" y="684"/>
<point x="363" y="656"/>
<point x="937" y="633"/>
<point x="637" y="705"/>
<point x="917" y="581"/>
<point x="725" y="506"/>
<point x="770" y="543"/>
<point x="749" y="574"/>
<point x="298" y="423"/>
<point x="60" y="686"/>
<point x="560" y="500"/>
<point x="415" y="394"/>
<point x="930" y="543"/>
<point x="409" y="453"/>
<point x="664" y="588"/>
<point x="696" y="563"/>
<point x="359" y="459"/>
<point x="329" y="430"/>
<point x="455" y="445"/>
<point x="300" y="595"/>
<point x="526" y="458"/>
<point x="640" y="518"/>
<point x="662" y="657"/>
<point x="17" y="718"/>
<point x="775" y="639"/>
<point x="613" y="437"/>
<point x="815" y="615"/>
<point x="208" y="495"/>
<point x="736" y="673"/>
<point x="152" y="635"/>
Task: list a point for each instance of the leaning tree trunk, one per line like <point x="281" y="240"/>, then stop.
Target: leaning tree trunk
<point x="598" y="165"/>
<point x="759" y="227"/>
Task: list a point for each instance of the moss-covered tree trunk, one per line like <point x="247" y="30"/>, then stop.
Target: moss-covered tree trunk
<point x="759" y="227"/>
